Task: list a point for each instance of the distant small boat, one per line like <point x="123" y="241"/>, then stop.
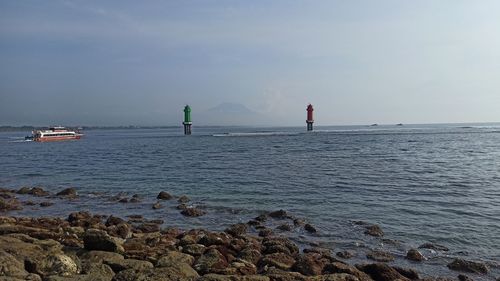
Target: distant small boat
<point x="373" y="125"/>
<point x="54" y="134"/>
<point x="400" y="124"/>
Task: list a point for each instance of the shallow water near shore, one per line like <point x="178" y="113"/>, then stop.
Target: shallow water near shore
<point x="437" y="183"/>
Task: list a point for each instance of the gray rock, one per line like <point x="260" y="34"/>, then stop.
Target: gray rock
<point x="468" y="266"/>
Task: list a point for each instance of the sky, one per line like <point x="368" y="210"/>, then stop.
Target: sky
<point x="358" y="62"/>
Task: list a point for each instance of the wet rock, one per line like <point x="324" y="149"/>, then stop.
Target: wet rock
<point x="278" y="260"/>
<point x="215" y="238"/>
<point x="338" y="267"/>
<point x="380" y="256"/>
<point x="181" y="206"/>
<point x="237" y="229"/>
<point x="164" y="196"/>
<point x="134" y="200"/>
<point x="265" y="232"/>
<point x="68" y="192"/>
<point x="279" y="244"/>
<point x="173" y="257"/>
<point x="83" y="219"/>
<point x="298" y="222"/>
<point x="193" y="212"/>
<point x="261" y="218"/>
<point x="183" y="199"/>
<point x="112" y="220"/>
<point x="212" y="261"/>
<point x="280" y="214"/>
<point x="220" y="277"/>
<point x="462" y="277"/>
<point x="284" y="227"/>
<point x="10" y="205"/>
<point x="347" y="254"/>
<point x="241" y="267"/>
<point x="95" y="239"/>
<point x="29" y="203"/>
<point x="433" y="246"/>
<point x="157" y="206"/>
<point x="46" y="204"/>
<point x="253" y="223"/>
<point x="334" y="277"/>
<point x="23" y="190"/>
<point x="409" y="273"/>
<point x="310" y="264"/>
<point x="374" y="230"/>
<point x="57" y="264"/>
<point x="414" y="255"/>
<point x="381" y="272"/>
<point x="37" y="191"/>
<point x="309" y="228"/>
<point x="178" y="272"/>
<point x="123" y="200"/>
<point x="468" y="266"/>
<point x="148" y="227"/>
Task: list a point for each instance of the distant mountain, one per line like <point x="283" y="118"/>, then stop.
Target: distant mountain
<point x="231" y="108"/>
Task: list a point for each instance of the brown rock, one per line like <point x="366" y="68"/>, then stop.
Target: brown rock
<point x="309" y="228"/>
<point x="380" y="256"/>
<point x="183" y="199"/>
<point x="148" y="227"/>
<point x="193" y="212"/>
<point x="279" y="244"/>
<point x="374" y="230"/>
<point x="157" y="205"/>
<point x="237" y="229"/>
<point x="265" y="232"/>
<point x="310" y="264"/>
<point x="414" y="255"/>
<point x="381" y="272"/>
<point x="179" y="271"/>
<point x="68" y="192"/>
<point x="215" y="238"/>
<point x="409" y="273"/>
<point x="462" y="277"/>
<point x="278" y="260"/>
<point x="433" y="246"/>
<point x="250" y="254"/>
<point x="280" y="214"/>
<point x="468" y="266"/>
<point x="46" y="204"/>
<point x="284" y="227"/>
<point x="338" y="267"/>
<point x="194" y="249"/>
<point x="112" y="220"/>
<point x="347" y="254"/>
<point x="10" y="205"/>
<point x="11" y="267"/>
<point x="261" y="218"/>
<point x="212" y="261"/>
<point x="95" y="239"/>
<point x="173" y="257"/>
<point x="164" y="196"/>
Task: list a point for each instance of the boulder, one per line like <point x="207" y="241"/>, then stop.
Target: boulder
<point x="250" y="254"/>
<point x="193" y="212"/>
<point x="433" y="246"/>
<point x="68" y="192"/>
<point x="284" y="227"/>
<point x="309" y="228"/>
<point x="279" y="244"/>
<point x="173" y="257"/>
<point x="212" y="261"/>
<point x="279" y="214"/>
<point x="148" y="227"/>
<point x="56" y="264"/>
<point x="164" y="196"/>
<point x="10" y="205"/>
<point x="310" y="264"/>
<point x="347" y="254"/>
<point x="194" y="249"/>
<point x="380" y="256"/>
<point x="112" y="220"/>
<point x="46" y="204"/>
<point x="95" y="239"/>
<point x="334" y="277"/>
<point x="414" y="255"/>
<point x="183" y="199"/>
<point x="123" y="264"/>
<point x="237" y="229"/>
<point x="180" y="272"/>
<point x="83" y="219"/>
<point x="468" y="266"/>
<point x="11" y="267"/>
<point x="38" y="191"/>
<point x="215" y="238"/>
<point x="219" y="277"/>
<point x="374" y="230"/>
<point x="262" y="217"/>
<point x="462" y="277"/>
<point x="278" y="260"/>
<point x="265" y="232"/>
<point x="409" y="273"/>
<point x="241" y="267"/>
<point x="338" y="267"/>
<point x="381" y="272"/>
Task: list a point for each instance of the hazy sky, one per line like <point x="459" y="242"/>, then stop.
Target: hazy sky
<point x="358" y="62"/>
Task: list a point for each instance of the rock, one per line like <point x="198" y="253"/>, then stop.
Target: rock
<point x="10" y="205"/>
<point x="414" y="255"/>
<point x="220" y="277"/>
<point x="95" y="239"/>
<point x="298" y="222"/>
<point x="123" y="264"/>
<point x="409" y="273"/>
<point x="68" y="192"/>
<point x="112" y="220"/>
<point x="10" y="266"/>
<point x="279" y="244"/>
<point x="462" y="277"/>
<point x="157" y="206"/>
<point x="284" y="227"/>
<point x="148" y="227"/>
<point x="123" y="200"/>
<point x="468" y="266"/>
<point x="46" y="204"/>
<point x="212" y="261"/>
<point x="215" y="238"/>
<point x="192" y="212"/>
<point x="249" y="254"/>
<point x="433" y="246"/>
<point x="347" y="254"/>
<point x="280" y="214"/>
<point x="278" y="260"/>
<point x="29" y="203"/>
<point x="38" y="191"/>
<point x="134" y="200"/>
<point x="309" y="228"/>
<point x="194" y="249"/>
<point x="164" y="196"/>
<point x="83" y="219"/>
<point x="98" y="272"/>
<point x="237" y="229"/>
<point x="381" y="272"/>
<point x="338" y="267"/>
<point x="173" y="257"/>
<point x="183" y="199"/>
<point x="380" y="256"/>
<point x="57" y="264"/>
<point x="178" y="272"/>
<point x="310" y="264"/>
<point x="265" y="232"/>
<point x="23" y="190"/>
<point x="374" y="230"/>
<point x="261" y="218"/>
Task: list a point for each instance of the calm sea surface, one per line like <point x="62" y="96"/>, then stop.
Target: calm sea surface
<point x="436" y="183"/>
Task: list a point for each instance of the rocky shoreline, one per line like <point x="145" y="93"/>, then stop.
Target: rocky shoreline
<point x="87" y="246"/>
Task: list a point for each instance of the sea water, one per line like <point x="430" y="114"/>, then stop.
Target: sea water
<point x="421" y="183"/>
